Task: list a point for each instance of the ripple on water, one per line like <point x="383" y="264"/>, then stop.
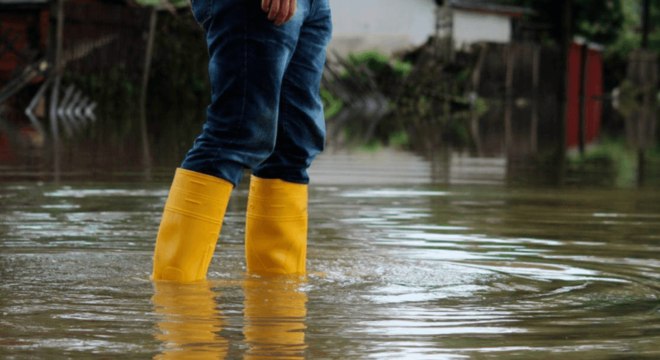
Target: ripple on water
<point x="396" y="272"/>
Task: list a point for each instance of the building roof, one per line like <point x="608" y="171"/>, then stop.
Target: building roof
<point x="39" y="2"/>
<point x="489" y="7"/>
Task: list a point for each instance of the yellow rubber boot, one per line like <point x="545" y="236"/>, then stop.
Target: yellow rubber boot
<point x="276" y="227"/>
<point x="190" y="226"/>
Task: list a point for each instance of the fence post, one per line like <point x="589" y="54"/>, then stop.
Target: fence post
<point x="508" y="98"/>
<point x="582" y="101"/>
<point x="640" y="111"/>
<point x="536" y="81"/>
<point x="649" y="106"/>
<point x="562" y="96"/>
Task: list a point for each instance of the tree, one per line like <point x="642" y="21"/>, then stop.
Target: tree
<point x="596" y="20"/>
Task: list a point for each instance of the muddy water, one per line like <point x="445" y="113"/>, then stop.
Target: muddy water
<point x="399" y="269"/>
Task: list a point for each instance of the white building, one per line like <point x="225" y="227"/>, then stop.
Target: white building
<point x="383" y="25"/>
<point x="392" y="25"/>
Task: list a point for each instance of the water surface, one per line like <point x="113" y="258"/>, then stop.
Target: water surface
<point x="399" y="268"/>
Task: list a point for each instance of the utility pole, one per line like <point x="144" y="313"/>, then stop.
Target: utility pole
<point x="57" y="9"/>
<point x="144" y="136"/>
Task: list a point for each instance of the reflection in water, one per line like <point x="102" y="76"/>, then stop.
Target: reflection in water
<point x="408" y="272"/>
<point x="190" y="321"/>
<point x="275" y="318"/>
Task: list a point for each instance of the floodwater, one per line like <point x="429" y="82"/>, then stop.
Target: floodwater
<point x="402" y="266"/>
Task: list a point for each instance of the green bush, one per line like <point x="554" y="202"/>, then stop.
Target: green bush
<point x="610" y="156"/>
<point x="331" y="104"/>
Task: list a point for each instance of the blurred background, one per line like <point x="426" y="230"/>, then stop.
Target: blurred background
<point x="541" y="91"/>
<point x="489" y="189"/>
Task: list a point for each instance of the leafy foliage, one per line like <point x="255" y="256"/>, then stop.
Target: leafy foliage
<point x="607" y="22"/>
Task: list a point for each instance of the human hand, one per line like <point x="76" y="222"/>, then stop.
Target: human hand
<point x="279" y="11"/>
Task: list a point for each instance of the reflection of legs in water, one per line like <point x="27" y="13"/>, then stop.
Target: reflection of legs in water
<point x="275" y="318"/>
<point x="190" y="321"/>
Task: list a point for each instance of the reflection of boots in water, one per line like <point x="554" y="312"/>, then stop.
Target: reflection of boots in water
<point x="274" y="318"/>
<point x="190" y="321"/>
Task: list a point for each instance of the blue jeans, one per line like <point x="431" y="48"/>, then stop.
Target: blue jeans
<point x="266" y="113"/>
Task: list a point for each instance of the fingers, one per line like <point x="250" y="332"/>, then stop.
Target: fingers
<point x="283" y="13"/>
<point x="279" y="11"/>
<point x="274" y="9"/>
<point x="292" y="9"/>
<point x="265" y="5"/>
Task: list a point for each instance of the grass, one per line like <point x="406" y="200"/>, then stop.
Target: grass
<point x="612" y="156"/>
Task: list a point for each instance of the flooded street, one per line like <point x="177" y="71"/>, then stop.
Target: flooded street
<point x="489" y="186"/>
<point x="402" y="266"/>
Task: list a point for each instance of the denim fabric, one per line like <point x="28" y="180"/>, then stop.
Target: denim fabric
<point x="265" y="113"/>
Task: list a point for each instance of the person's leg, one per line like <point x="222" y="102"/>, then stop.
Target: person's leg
<point x="301" y="124"/>
<point x="248" y="58"/>
<point x="276" y="224"/>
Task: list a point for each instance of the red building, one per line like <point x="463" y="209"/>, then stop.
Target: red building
<point x="24" y="26"/>
<point x="585" y="89"/>
<point x="97" y="34"/>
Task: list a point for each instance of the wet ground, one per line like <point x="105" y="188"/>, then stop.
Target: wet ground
<point x="402" y="266"/>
